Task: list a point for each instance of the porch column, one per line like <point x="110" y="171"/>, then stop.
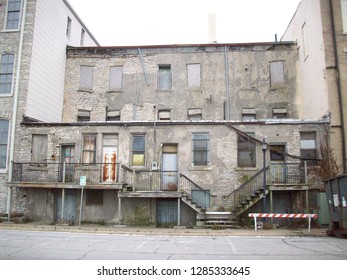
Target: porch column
<point x="271" y="206"/>
<point x="307" y="200"/>
<point x="119" y="210"/>
<point x="179" y="211"/>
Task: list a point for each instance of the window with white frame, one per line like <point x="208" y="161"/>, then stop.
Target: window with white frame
<point x="194" y="75"/>
<point x="89" y="148"/>
<point x="6" y="73"/>
<point x="200" y="149"/>
<point x="165" y="77"/>
<point x="13" y="14"/>
<point x="3" y="143"/>
<point x="86" y="78"/>
<point x="39" y="148"/>
<point x="116" y="78"/>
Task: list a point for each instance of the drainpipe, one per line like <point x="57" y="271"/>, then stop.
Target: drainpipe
<point x="15" y="108"/>
<point x="339" y="90"/>
<point x="227" y="105"/>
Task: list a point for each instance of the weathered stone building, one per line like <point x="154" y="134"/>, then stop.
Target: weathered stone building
<point x="163" y="133"/>
<point x="33" y="39"/>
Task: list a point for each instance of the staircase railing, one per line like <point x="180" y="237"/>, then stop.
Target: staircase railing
<point x="194" y="192"/>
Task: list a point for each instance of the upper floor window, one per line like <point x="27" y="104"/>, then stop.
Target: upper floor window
<point x="83" y="115"/>
<point x="68" y="27"/>
<point x="138" y="150"/>
<point x="116" y="78"/>
<point x="279" y="113"/>
<point x="308" y="147"/>
<point x="246" y="152"/>
<point x="195" y="114"/>
<point x="86" y="78"/>
<point x="83" y="35"/>
<point x="194" y="75"/>
<point x="248" y="114"/>
<point x="277" y="77"/>
<point x="112" y="114"/>
<point x="164" y="115"/>
<point x="39" y="148"/>
<point x="89" y="148"/>
<point x="3" y="143"/>
<point x="200" y="147"/>
<point x="165" y="78"/>
<point x="6" y="73"/>
<point x="344" y="15"/>
<point x="13" y="14"/>
<point x="277" y="152"/>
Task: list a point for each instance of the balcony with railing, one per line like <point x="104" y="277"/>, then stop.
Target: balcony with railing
<point x="60" y="175"/>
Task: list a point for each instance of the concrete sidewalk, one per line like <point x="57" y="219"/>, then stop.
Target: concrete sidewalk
<point x="130" y="230"/>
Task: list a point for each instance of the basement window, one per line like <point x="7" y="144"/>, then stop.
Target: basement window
<point x="94" y="198"/>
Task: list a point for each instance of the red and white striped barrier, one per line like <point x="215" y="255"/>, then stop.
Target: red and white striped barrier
<point x="278" y="215"/>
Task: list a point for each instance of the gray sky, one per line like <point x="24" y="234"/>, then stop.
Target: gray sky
<point x="152" y="22"/>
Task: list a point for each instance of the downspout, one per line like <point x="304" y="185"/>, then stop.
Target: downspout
<point x="227" y="105"/>
<point x="339" y="90"/>
<point x="15" y="108"/>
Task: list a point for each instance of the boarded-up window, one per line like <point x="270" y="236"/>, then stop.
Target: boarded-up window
<point x="195" y="114"/>
<point x="39" y="148"/>
<point x="86" y="78"/>
<point x="248" y="114"/>
<point x="308" y="147"/>
<point x="116" y="78"/>
<point x="200" y="147"/>
<point x="6" y="73"/>
<point x="3" y="143"/>
<point x="277" y="78"/>
<point x="112" y="114"/>
<point x="194" y="76"/>
<point x="165" y="79"/>
<point x="94" y="197"/>
<point x="83" y="116"/>
<point x="89" y="149"/>
<point x="138" y="150"/>
<point x="280" y="113"/>
<point x="246" y="151"/>
<point x="164" y="115"/>
<point x="13" y="14"/>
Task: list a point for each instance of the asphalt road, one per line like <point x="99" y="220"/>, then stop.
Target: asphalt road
<point x="42" y="245"/>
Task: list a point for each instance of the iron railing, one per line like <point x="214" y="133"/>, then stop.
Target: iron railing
<point x="156" y="180"/>
<point x="69" y="173"/>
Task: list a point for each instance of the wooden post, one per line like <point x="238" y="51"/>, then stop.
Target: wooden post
<point x="119" y="210"/>
<point x="179" y="211"/>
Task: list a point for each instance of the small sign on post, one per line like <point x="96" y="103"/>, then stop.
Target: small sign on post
<point x="83" y="182"/>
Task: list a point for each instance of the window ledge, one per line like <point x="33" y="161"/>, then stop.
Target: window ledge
<point x="85" y="90"/>
<point x="10" y="30"/>
<point x="5" y="94"/>
<point x="200" y="168"/>
<point x="115" y="91"/>
<point x="246" y="169"/>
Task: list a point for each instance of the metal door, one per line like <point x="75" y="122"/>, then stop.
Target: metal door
<point x="67" y="157"/>
<point x="109" y="167"/>
<point x="170" y="174"/>
<point x="167" y="213"/>
<point x="70" y="206"/>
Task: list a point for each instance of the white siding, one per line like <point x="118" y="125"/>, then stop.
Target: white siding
<point x="47" y="69"/>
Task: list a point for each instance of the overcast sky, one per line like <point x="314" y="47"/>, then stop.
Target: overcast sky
<point x="151" y="22"/>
